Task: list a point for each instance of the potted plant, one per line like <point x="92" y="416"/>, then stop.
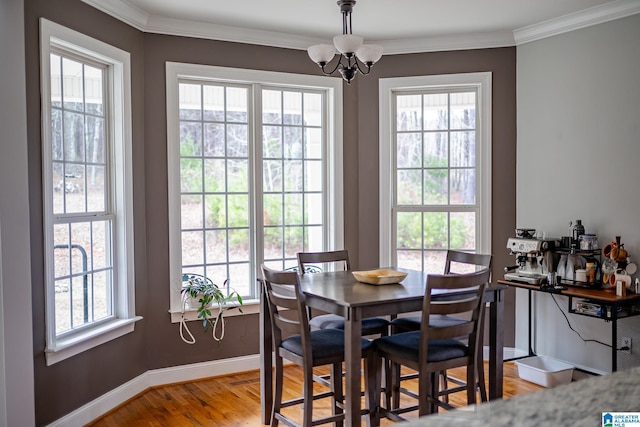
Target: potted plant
<point x="204" y="294"/>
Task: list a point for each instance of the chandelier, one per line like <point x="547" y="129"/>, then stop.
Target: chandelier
<point x="352" y="51"/>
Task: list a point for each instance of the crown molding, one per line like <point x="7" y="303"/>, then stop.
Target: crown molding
<point x="574" y="21"/>
<point x="124" y="11"/>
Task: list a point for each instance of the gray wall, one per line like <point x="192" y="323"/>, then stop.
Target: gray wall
<point x="16" y="364"/>
<point x="578" y="157"/>
<point x="67" y="385"/>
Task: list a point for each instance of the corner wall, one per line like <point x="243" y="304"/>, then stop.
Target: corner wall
<point x="578" y="157"/>
<point x="16" y="365"/>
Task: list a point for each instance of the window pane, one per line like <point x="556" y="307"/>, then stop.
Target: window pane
<point x="293" y="176"/>
<point x="409" y="230"/>
<point x="238" y="205"/>
<point x="238" y="176"/>
<point x="409" y="259"/>
<point x="239" y="244"/>
<point x="73" y="136"/>
<point x="463" y="110"/>
<point x="463" y="186"/>
<point x="190" y="102"/>
<point x="313" y="109"/>
<point x="237" y="104"/>
<point x="409" y="187"/>
<point x="93" y="90"/>
<point x="213" y="103"/>
<point x="72" y="87"/>
<point x="409" y="150"/>
<point x="463" y="149"/>
<point x="292" y="105"/>
<point x="313" y="143"/>
<point x="463" y="230"/>
<point x="436" y="186"/>
<point x="213" y="141"/>
<point x="192" y="212"/>
<point x="436" y="150"/>
<point x="216" y="211"/>
<point x="292" y="142"/>
<point x="192" y="248"/>
<point x="436" y="115"/>
<point x="74" y="188"/>
<point x="272" y="106"/>
<point x="272" y="206"/>
<point x="434" y="261"/>
<point x="313" y="175"/>
<point x="293" y="209"/>
<point x="293" y="238"/>
<point x="96" y="191"/>
<point x="214" y="175"/>
<point x="237" y="141"/>
<point x="271" y="142"/>
<point x="272" y="175"/>
<point x="409" y="112"/>
<point x="190" y="175"/>
<point x="190" y="139"/>
<point x="273" y="243"/>
<point x="436" y="230"/>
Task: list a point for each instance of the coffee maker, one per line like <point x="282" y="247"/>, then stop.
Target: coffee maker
<point x="534" y="257"/>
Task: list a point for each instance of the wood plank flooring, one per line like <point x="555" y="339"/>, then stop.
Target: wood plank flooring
<point x="234" y="400"/>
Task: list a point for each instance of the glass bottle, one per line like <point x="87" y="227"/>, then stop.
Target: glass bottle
<point x="577" y="231"/>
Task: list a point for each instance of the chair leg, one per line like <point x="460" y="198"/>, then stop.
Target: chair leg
<point x="393" y="385"/>
<point x="277" y="395"/>
<point x="336" y="388"/>
<point x="481" y="383"/>
<point x="443" y="377"/>
<point x="373" y="378"/>
<point x="472" y="385"/>
<point x="307" y="391"/>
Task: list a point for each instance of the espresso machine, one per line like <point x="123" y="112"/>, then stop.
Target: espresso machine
<point x="534" y="257"/>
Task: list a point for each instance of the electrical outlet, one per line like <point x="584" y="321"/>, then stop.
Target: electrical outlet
<point x="625" y="344"/>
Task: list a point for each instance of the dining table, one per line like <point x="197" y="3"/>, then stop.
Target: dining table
<point x="339" y="292"/>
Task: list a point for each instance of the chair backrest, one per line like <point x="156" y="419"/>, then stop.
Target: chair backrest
<point x="287" y="309"/>
<point x="337" y="257"/>
<point x="470" y="262"/>
<point x="466" y="305"/>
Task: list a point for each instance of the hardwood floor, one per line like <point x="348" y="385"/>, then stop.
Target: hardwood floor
<point x="234" y="400"/>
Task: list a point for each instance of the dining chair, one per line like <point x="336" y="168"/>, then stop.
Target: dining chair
<point x="456" y="262"/>
<point x="436" y="348"/>
<point x="340" y="258"/>
<point x="293" y="340"/>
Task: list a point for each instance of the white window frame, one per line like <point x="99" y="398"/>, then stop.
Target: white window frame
<point x="334" y="214"/>
<point x="118" y="115"/>
<point x="387" y="86"/>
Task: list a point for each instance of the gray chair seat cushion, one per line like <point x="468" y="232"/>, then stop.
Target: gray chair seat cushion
<point x="324" y="343"/>
<point x="412" y="323"/>
<point x="407" y="344"/>
<point x="370" y="325"/>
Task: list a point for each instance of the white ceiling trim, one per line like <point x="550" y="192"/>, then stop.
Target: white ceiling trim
<point x="143" y="21"/>
<point x="574" y="21"/>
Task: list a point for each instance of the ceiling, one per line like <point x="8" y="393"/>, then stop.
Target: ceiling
<point x="401" y="26"/>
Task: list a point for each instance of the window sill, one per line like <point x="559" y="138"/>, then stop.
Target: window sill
<point x="248" y="307"/>
<point x="68" y="347"/>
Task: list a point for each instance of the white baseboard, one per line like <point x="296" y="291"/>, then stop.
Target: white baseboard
<point x="153" y="378"/>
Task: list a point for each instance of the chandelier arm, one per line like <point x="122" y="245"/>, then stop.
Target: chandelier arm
<point x="357" y="64"/>
<point x="338" y="64"/>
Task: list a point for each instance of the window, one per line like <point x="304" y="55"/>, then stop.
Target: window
<point x="435" y="155"/>
<point x="254" y="173"/>
<point x="86" y="162"/>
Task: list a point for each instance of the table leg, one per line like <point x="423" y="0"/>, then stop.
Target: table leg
<point x="353" y="356"/>
<point x="496" y="345"/>
<point x="266" y="373"/>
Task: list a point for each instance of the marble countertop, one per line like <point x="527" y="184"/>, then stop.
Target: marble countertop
<point x="580" y="403"/>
